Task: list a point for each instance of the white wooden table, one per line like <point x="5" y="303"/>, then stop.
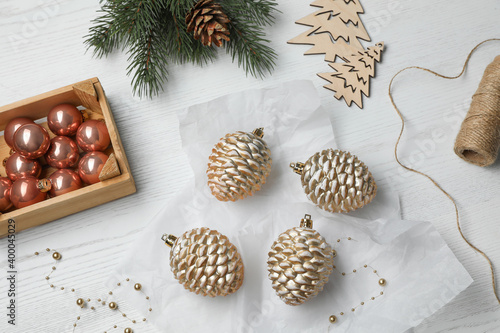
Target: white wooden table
<point x="41" y="45"/>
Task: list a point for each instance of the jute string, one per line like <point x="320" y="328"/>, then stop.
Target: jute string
<point x="469" y="123"/>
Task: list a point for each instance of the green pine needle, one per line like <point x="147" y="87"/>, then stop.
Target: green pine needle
<point x="153" y="33"/>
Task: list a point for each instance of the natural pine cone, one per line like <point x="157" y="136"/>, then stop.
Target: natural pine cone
<point x="238" y="165"/>
<point x="300" y="263"/>
<point x="336" y="181"/>
<point x="208" y="22"/>
<point x="206" y="262"/>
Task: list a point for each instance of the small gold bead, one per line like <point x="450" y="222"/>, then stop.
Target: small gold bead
<point x="98" y="299"/>
<point x="103" y="303"/>
<point x="36" y="253"/>
<point x="381" y="293"/>
<point x="348" y="238"/>
<point x="92" y="308"/>
<point x="53" y="268"/>
<point x="375" y="271"/>
<point x="73" y="290"/>
<point x="333" y="319"/>
<point x="114" y="326"/>
<point x="341" y="313"/>
<point x="118" y="284"/>
<point x="365" y="266"/>
<point x="128" y="330"/>
<point x="334" y="253"/>
<point x="353" y="309"/>
<point x="111" y="293"/>
<point x="74" y="325"/>
<point x="362" y="303"/>
<point x="373" y="298"/>
<point x="382" y="282"/>
<point x="123" y="314"/>
<point x="62" y="288"/>
<point x="112" y="305"/>
<point x="137" y="286"/>
<point x="147" y="297"/>
<point x="56" y="255"/>
<point x="46" y="278"/>
<point x="338" y="240"/>
<point x="343" y="273"/>
<point x="133" y="321"/>
<point x="78" y="318"/>
<point x="127" y="279"/>
<point x="47" y="249"/>
<point x="150" y="309"/>
<point x="88" y="299"/>
<point x="334" y="266"/>
<point x="80" y="302"/>
<point x="143" y="319"/>
<point x="354" y="271"/>
<point x="52" y="286"/>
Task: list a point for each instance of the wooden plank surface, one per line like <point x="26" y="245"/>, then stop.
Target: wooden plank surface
<point x="42" y="49"/>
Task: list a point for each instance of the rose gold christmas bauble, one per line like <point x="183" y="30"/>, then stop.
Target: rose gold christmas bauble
<point x="17" y="166"/>
<point x="11" y="128"/>
<point x="64" y="181"/>
<point x="31" y="141"/>
<point x="28" y="191"/>
<point x="93" y="135"/>
<point x="63" y="153"/>
<point x="90" y="166"/>
<point x="64" y="119"/>
<point x="5" y="185"/>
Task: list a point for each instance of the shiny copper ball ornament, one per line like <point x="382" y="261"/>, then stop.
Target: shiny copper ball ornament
<point x="31" y="141"/>
<point x="12" y="127"/>
<point x="28" y="191"/>
<point x="90" y="166"/>
<point x="64" y="119"/>
<point x="18" y="166"/>
<point x="63" y="153"/>
<point x="64" y="181"/>
<point x="93" y="135"/>
<point x="5" y="185"/>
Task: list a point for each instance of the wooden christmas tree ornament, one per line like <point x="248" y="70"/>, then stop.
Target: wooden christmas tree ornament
<point x="336" y="31"/>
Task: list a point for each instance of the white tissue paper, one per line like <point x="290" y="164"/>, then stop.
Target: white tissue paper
<point x="421" y="271"/>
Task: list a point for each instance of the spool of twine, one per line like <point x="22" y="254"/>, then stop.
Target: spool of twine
<point x="479" y="138"/>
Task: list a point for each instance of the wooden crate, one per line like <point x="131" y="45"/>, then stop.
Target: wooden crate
<point x="90" y="95"/>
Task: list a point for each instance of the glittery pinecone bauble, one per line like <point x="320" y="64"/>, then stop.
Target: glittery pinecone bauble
<point x="207" y="21"/>
<point x="336" y="181"/>
<point x="205" y="262"/>
<point x="238" y="165"/>
<point x="300" y="263"/>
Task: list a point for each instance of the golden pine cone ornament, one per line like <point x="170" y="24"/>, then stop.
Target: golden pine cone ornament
<point x="336" y="181"/>
<point x="207" y="21"/>
<point x="205" y="262"/>
<point x="300" y="263"/>
<point x="239" y="165"/>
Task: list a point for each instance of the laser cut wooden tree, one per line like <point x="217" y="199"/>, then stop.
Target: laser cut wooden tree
<point x="335" y="31"/>
<point x="351" y="79"/>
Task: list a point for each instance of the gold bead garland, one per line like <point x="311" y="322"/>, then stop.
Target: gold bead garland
<point x="85" y="303"/>
<point x="382" y="282"/>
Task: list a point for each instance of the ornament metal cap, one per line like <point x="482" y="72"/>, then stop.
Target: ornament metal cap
<point x="44" y="185"/>
<point x="306" y="222"/>
<point x="297" y="167"/>
<point x="259" y="132"/>
<point x="169" y="239"/>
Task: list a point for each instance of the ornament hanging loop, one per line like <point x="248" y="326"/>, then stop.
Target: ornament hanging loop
<point x="298" y="167"/>
<point x="306" y="222"/>
<point x="169" y="239"/>
<point x="259" y="132"/>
